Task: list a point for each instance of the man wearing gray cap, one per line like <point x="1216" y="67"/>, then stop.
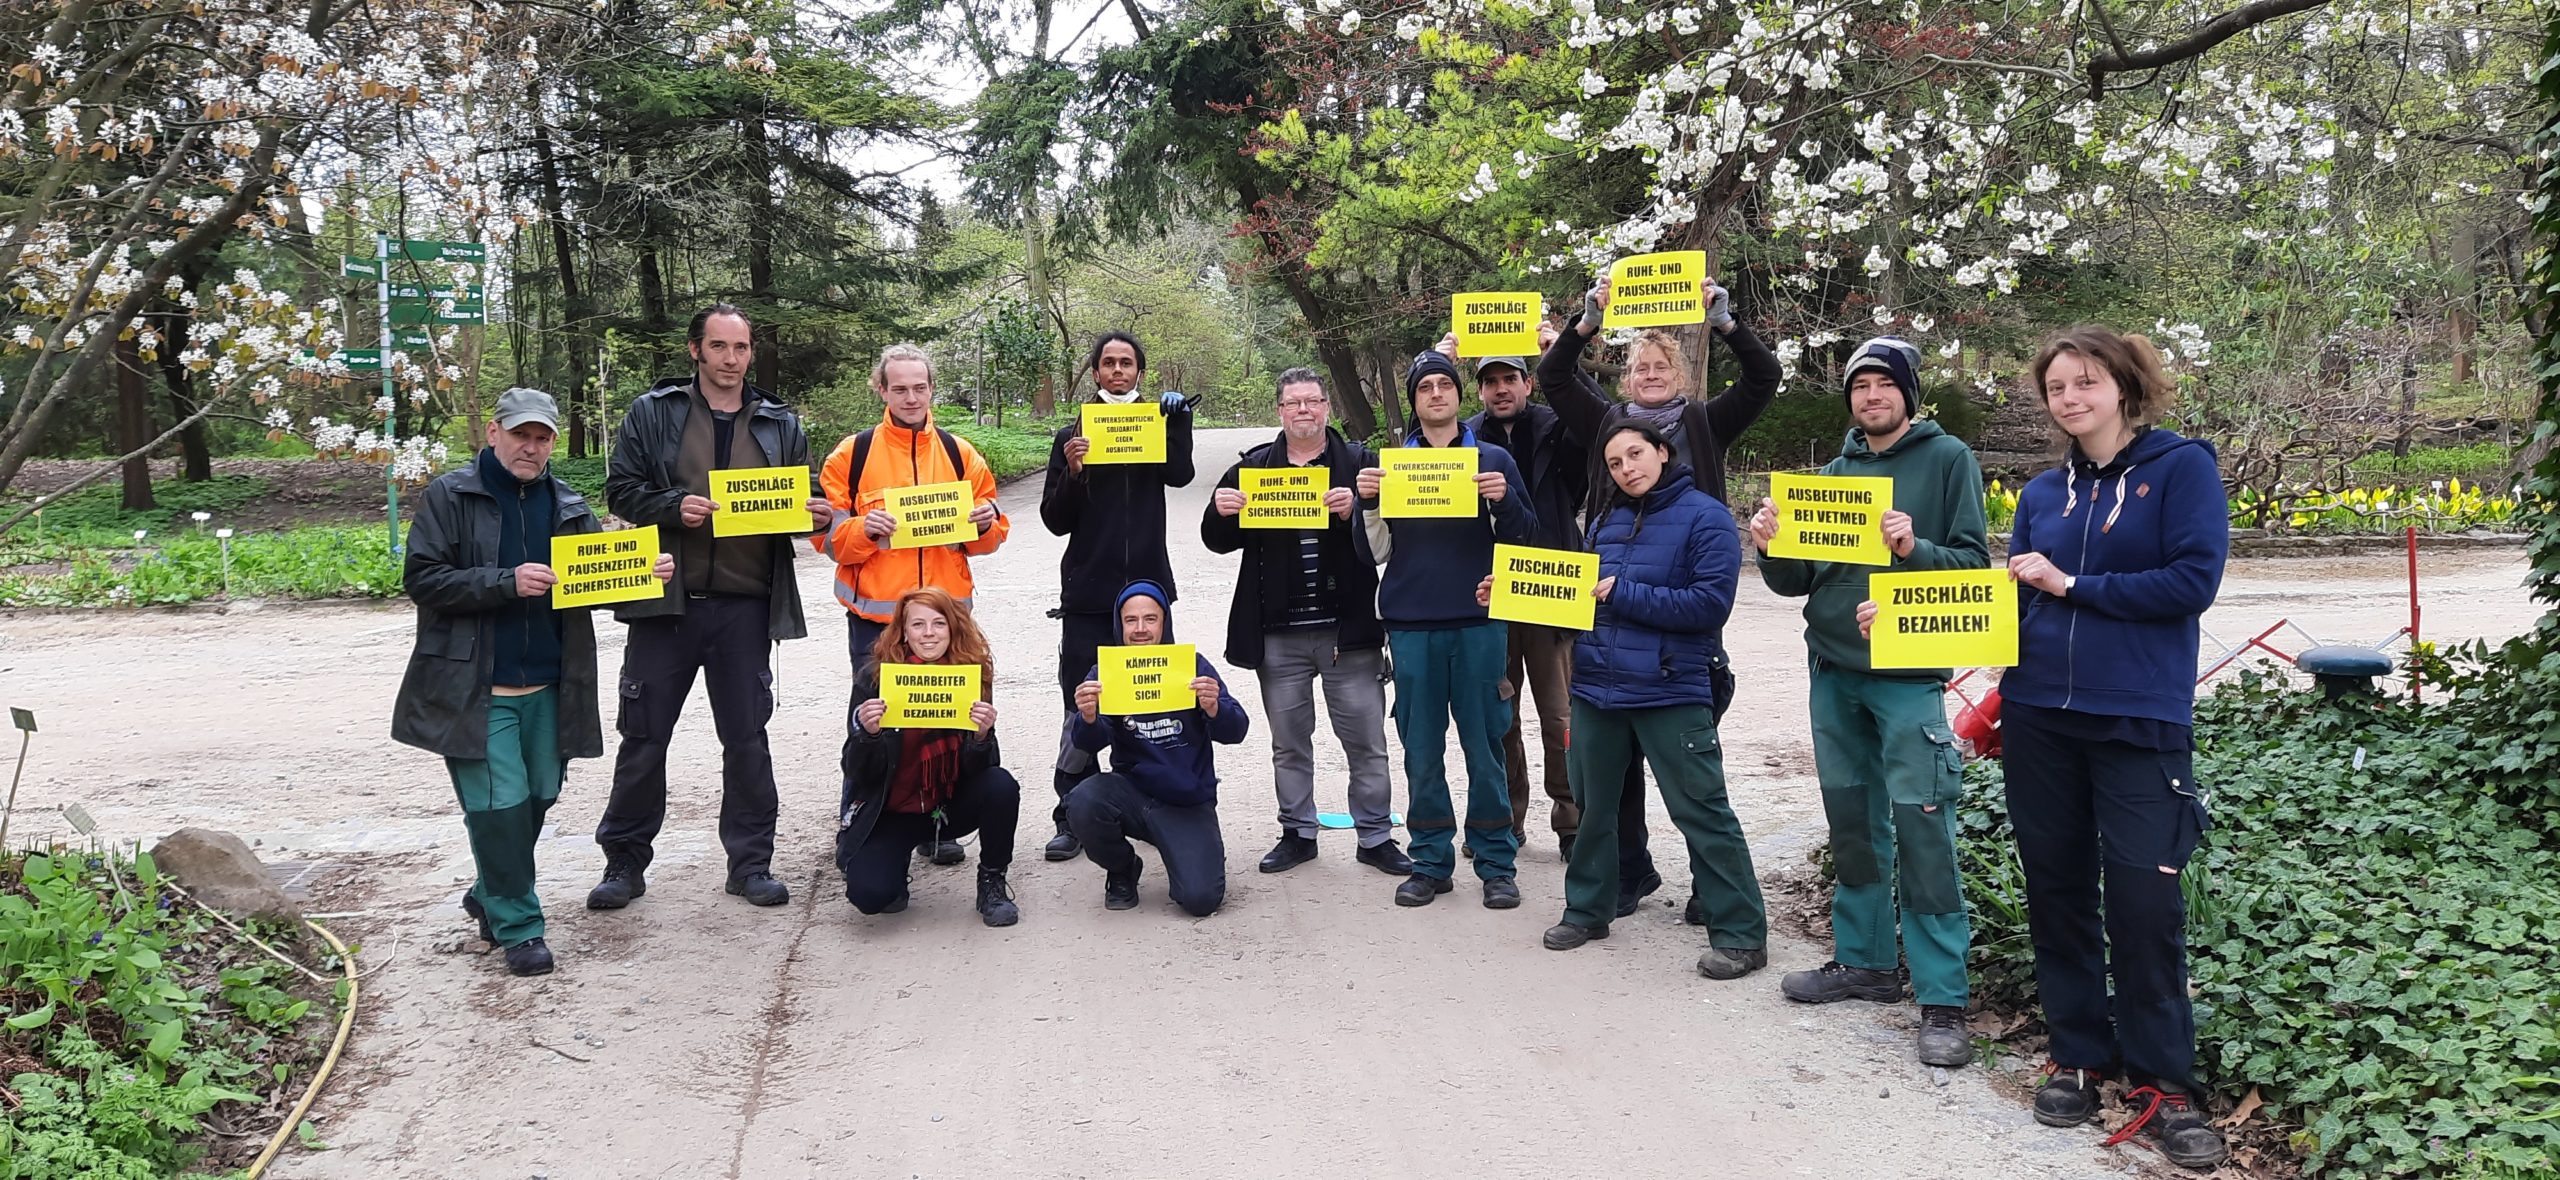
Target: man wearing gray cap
<point x="1556" y="463"/>
<point x="499" y="683"/>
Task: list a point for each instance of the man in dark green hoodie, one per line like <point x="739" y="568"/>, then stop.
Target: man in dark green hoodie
<point x="1891" y="775"/>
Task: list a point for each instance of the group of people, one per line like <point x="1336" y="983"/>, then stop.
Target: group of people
<point x="2118" y="551"/>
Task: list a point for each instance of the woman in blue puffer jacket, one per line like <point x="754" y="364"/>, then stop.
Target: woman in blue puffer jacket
<point x="1650" y="672"/>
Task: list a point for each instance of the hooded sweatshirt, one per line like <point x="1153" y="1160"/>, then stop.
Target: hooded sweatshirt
<point x="1938" y="484"/>
<point x="2144" y="537"/>
<point x="1166" y="755"/>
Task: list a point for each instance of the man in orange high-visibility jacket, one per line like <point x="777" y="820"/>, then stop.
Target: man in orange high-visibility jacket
<point x="905" y="450"/>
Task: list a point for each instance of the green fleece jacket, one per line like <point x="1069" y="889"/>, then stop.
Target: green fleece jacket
<point x="1935" y="481"/>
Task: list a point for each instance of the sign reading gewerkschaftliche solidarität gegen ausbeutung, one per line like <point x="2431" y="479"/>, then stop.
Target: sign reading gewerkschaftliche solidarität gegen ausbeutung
<point x="1497" y="323"/>
<point x="1132" y="433"/>
<point x="1427" y="481"/>
<point x="1139" y="680"/>
<point x="755" y="501"/>
<point x="1944" y="619"/>
<point x="1282" y="497"/>
<point x="928" y="696"/>
<point x="1831" y="517"/>
<point x="1549" y="587"/>
<point x="1657" y="290"/>
<point x="598" y="568"/>
<point x="931" y="514"/>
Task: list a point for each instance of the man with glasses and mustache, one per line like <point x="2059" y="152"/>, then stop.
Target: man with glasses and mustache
<point x="1305" y="610"/>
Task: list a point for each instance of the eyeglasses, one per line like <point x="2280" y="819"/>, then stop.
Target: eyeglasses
<point x="1304" y="404"/>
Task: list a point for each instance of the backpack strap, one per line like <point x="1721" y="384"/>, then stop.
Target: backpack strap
<point x="861" y="458"/>
<point x="862" y="454"/>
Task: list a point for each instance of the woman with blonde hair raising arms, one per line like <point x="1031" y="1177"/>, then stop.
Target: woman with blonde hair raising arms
<point x="903" y="787"/>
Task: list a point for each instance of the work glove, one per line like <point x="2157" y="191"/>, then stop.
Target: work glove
<point x="1592" y="312"/>
<point x="1720" y="312"/>
<point x="1171" y="403"/>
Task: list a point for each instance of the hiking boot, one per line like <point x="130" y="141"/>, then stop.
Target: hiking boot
<point x="1119" y="892"/>
<point x="941" y="852"/>
<point x="530" y="957"/>
<point x="1631" y="895"/>
<point x="1727" y="963"/>
<point x="2175" y="1126"/>
<point x="2068" y="1097"/>
<point x="1694" y="913"/>
<point x="1564" y="847"/>
<point x="1564" y="936"/>
<point x="1419" y="890"/>
<point x="1835" y="981"/>
<point x="1501" y="893"/>
<point x="479" y="913"/>
<point x="1063" y="846"/>
<point x="899" y="906"/>
<point x="1292" y="850"/>
<point x="995" y="899"/>
<point x="759" y="888"/>
<point x="622" y="885"/>
<point x="1385" y="857"/>
<point x="1943" y="1039"/>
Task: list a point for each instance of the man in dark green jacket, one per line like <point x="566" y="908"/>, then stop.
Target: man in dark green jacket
<point x="1891" y="775"/>
<point x="499" y="683"/>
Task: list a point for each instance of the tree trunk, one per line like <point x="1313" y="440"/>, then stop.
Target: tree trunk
<point x="565" y="260"/>
<point x="1035" y="274"/>
<point x="1390" y="390"/>
<point x="133" y="424"/>
<point x="2408" y="399"/>
<point x="175" y="323"/>
<point x="2464" y="319"/>
<point x="760" y="223"/>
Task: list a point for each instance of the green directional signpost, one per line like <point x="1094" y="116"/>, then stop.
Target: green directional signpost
<point x="409" y="305"/>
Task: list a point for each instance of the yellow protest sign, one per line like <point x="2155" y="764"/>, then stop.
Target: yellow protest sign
<point x="1427" y="481"/>
<point x="928" y="696"/>
<point x="1133" y="433"/>
<point x="597" y="568"/>
<point x="1497" y="323"/>
<point x="1657" y="290"/>
<point x="755" y="501"/>
<point x="930" y="514"/>
<point x="1944" y="619"/>
<point x="1283" y="497"/>
<point x="1152" y="679"/>
<point x="1549" y="587"/>
<point x="1831" y="517"/>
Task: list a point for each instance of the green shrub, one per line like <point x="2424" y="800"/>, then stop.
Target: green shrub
<point x="96" y="513"/>
<point x="335" y="562"/>
<point x="2485" y="460"/>
<point x="2370" y="920"/>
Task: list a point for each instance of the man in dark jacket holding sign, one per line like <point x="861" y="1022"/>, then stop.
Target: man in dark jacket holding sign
<point x="1112" y="515"/>
<point x="732" y="599"/>
<point x="1891" y="774"/>
<point x="1306" y="610"/>
<point x="499" y="683"/>
<point x="1163" y="783"/>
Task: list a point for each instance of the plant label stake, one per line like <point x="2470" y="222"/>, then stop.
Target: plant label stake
<point x="26" y="723"/>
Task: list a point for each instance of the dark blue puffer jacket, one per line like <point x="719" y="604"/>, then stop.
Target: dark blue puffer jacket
<point x="1659" y="640"/>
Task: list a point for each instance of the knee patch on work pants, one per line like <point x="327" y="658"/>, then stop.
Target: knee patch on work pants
<point x="1925" y="848"/>
<point x="1853" y="843"/>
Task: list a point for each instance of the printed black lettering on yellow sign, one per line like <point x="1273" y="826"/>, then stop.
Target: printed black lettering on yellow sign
<point x="597" y="568"/>
<point x="1427" y="481"/>
<point x="1155" y="678"/>
<point x="1944" y="619"/>
<point x="1282" y="497"/>
<point x="928" y="696"/>
<point x="1549" y="587"/>
<point x="757" y="501"/>
<point x="930" y="514"/>
<point x="1497" y="323"/>
<point x="1831" y="517"/>
<point x="1657" y="290"/>
<point x="1132" y="433"/>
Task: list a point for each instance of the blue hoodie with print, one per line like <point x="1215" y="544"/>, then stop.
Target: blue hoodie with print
<point x="2145" y="537"/>
<point x="1167" y="755"/>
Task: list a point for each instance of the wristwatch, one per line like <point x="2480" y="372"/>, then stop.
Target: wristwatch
<point x="2069" y="581"/>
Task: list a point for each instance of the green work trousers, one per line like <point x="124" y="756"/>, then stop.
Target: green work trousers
<point x="1680" y="744"/>
<point x="1891" y="777"/>
<point x="504" y="797"/>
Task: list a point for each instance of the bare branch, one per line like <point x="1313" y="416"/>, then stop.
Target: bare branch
<point x="2204" y="37"/>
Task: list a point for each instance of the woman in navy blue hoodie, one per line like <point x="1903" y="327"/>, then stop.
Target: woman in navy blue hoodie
<point x="2117" y="553"/>
<point x="1649" y="673"/>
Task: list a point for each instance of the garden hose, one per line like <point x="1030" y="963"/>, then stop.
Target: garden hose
<point x="346" y="1024"/>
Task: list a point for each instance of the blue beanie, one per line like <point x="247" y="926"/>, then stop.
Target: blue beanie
<point x="1428" y="362"/>
<point x="1898" y="359"/>
<point x="1140" y="589"/>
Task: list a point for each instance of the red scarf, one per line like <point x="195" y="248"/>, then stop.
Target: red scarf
<point x="928" y="771"/>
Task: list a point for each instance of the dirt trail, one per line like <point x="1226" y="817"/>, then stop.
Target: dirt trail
<point x="1309" y="1028"/>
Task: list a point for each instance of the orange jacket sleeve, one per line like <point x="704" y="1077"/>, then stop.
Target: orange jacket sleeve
<point x="982" y="490"/>
<point x="847" y="543"/>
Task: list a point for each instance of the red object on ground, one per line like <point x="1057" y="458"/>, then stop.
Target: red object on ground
<point x="1979" y="725"/>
